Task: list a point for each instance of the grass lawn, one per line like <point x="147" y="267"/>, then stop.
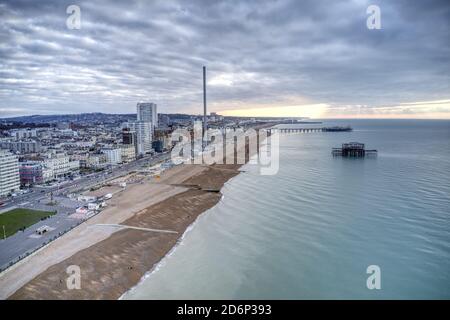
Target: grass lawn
<point x="16" y="219"/>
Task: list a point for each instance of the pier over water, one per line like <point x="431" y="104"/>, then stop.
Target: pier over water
<point x="310" y="130"/>
<point x="353" y="149"/>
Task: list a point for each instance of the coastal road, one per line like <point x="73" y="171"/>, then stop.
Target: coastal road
<point x="26" y="241"/>
<point x="84" y="182"/>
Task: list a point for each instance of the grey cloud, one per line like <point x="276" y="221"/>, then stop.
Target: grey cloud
<point x="320" y="51"/>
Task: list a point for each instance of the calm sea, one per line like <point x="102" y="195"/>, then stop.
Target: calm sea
<point x="311" y="231"/>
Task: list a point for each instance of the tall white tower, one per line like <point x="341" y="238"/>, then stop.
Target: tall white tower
<point x="146" y="112"/>
<point x="205" y="125"/>
<point x="144" y="135"/>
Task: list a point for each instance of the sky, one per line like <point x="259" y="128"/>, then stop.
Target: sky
<point x="312" y="58"/>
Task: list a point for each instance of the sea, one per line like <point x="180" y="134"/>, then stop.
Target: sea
<point x="321" y="225"/>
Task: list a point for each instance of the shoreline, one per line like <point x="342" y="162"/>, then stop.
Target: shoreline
<point x="156" y="267"/>
<point x="118" y="261"/>
<point x="113" y="266"/>
<point x="160" y="263"/>
<point x="127" y="255"/>
<point x="120" y="208"/>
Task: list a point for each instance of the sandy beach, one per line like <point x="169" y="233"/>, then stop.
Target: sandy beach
<point x="113" y="260"/>
<point x="121" y="207"/>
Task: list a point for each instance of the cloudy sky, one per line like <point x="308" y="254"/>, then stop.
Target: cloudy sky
<point x="276" y="58"/>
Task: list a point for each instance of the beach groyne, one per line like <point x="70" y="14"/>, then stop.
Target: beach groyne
<point x="116" y="262"/>
<point x="114" y="265"/>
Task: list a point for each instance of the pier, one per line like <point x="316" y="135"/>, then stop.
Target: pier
<point x="310" y="130"/>
<point x="353" y="150"/>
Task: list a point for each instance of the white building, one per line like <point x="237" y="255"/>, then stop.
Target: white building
<point x="24" y="134"/>
<point x="74" y="165"/>
<point x="143" y="136"/>
<point x="96" y="161"/>
<point x="67" y="133"/>
<point x="61" y="165"/>
<point x="128" y="152"/>
<point x="22" y="146"/>
<point x="47" y="174"/>
<point x="113" y="156"/>
<point x="146" y="111"/>
<point x="9" y="173"/>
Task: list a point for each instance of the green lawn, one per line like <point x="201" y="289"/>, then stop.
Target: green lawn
<point x="16" y="219"/>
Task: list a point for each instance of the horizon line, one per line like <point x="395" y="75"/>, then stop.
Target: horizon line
<point x="229" y="116"/>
